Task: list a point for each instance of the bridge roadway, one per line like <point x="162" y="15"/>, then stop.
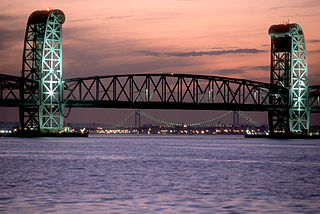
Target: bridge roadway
<point x="156" y="91"/>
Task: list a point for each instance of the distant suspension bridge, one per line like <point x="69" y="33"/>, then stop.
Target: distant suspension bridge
<point x="135" y="115"/>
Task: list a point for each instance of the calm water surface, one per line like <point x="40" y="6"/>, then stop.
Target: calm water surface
<point x="159" y="174"/>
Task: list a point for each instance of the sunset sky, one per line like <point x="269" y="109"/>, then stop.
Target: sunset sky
<point x="105" y="37"/>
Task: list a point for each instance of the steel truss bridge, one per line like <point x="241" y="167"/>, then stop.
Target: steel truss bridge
<point x="42" y="94"/>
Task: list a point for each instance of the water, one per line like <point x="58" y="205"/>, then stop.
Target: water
<point x="159" y="174"/>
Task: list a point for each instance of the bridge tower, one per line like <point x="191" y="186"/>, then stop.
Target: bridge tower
<point x="289" y="80"/>
<point x="42" y="63"/>
<point x="235" y="121"/>
<point x="137" y="118"/>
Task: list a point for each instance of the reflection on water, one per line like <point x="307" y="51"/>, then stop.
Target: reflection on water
<point x="159" y="174"/>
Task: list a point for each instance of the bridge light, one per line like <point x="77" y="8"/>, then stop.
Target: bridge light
<point x="82" y="130"/>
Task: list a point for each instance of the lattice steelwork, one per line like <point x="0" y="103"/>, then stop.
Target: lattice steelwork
<point x="168" y="91"/>
<point x="92" y="91"/>
<point x="10" y="90"/>
<point x="289" y="70"/>
<point x="42" y="62"/>
<point x="51" y="86"/>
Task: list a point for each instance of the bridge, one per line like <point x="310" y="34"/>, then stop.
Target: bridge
<point x="42" y="94"/>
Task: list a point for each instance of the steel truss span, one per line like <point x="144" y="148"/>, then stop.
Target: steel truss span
<point x="10" y="90"/>
<point x="80" y="92"/>
<point x="168" y="91"/>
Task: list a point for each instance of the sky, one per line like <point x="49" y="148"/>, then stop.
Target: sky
<point x="105" y="37"/>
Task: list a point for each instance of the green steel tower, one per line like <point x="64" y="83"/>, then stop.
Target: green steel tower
<point x="289" y="78"/>
<point x="42" y="63"/>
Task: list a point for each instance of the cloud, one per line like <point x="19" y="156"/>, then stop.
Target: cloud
<point x="314" y="51"/>
<point x="229" y="71"/>
<point x="314" y="41"/>
<point x="117" y="17"/>
<point x="149" y="53"/>
<point x="9" y="37"/>
<point x="103" y="18"/>
<point x="159" y="17"/>
<point x="306" y="4"/>
<point x="259" y="67"/>
<point x="202" y="53"/>
<point x="8" y="17"/>
<point x="218" y="48"/>
<point x="80" y="20"/>
<point x="5" y="17"/>
<point x="242" y="70"/>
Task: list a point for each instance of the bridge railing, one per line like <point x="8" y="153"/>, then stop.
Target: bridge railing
<point x="167" y="91"/>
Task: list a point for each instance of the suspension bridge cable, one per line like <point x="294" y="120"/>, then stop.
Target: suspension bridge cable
<point x="180" y="124"/>
<point x="250" y="119"/>
<point x="207" y="121"/>
<point x="119" y="124"/>
<point x="246" y="117"/>
<point x="159" y="120"/>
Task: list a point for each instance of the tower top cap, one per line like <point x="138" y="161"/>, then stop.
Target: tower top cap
<point x="282" y="29"/>
<point x="41" y="16"/>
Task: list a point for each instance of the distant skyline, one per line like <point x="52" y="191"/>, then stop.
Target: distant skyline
<point x="105" y="37"/>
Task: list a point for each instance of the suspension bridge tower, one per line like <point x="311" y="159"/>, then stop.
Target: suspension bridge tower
<point x="137" y="118"/>
<point x="289" y="80"/>
<point x="235" y="121"/>
<point x="42" y="63"/>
